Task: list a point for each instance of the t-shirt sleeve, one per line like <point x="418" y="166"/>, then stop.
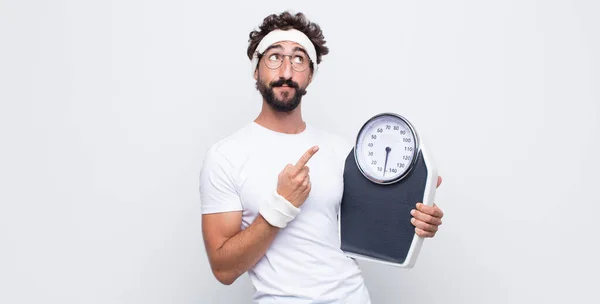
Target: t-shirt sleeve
<point x="218" y="191"/>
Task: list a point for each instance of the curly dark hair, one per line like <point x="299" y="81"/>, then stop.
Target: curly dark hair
<point x="285" y="21"/>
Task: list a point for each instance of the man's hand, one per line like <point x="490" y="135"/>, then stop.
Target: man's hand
<point x="427" y="219"/>
<point x="293" y="183"/>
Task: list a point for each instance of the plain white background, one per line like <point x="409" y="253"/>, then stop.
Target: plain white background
<point x="107" y="109"/>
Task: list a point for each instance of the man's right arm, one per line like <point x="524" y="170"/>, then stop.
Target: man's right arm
<point x="232" y="251"/>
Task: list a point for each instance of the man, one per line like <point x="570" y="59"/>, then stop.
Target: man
<point x="265" y="211"/>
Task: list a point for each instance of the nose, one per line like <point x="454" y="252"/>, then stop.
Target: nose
<point x="285" y="70"/>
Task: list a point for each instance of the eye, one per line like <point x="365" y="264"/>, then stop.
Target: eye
<point x="273" y="57"/>
<point x="298" y="59"/>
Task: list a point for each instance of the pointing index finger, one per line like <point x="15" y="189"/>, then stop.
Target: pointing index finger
<point x="306" y="157"/>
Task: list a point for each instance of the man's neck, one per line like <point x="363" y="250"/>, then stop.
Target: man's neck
<point x="289" y="122"/>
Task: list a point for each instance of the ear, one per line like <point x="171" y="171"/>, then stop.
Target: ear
<point x="256" y="73"/>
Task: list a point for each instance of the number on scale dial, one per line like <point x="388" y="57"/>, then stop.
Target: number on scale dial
<point x="386" y="148"/>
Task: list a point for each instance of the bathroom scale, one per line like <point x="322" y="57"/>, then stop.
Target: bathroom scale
<point x="386" y="173"/>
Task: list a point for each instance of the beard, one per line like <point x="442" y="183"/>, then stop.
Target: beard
<point x="289" y="103"/>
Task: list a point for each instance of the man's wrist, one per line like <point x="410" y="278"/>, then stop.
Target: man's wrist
<point x="278" y="211"/>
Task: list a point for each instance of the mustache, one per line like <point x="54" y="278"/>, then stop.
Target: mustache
<point x="281" y="82"/>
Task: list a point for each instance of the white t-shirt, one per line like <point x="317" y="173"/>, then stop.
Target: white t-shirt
<point x="304" y="264"/>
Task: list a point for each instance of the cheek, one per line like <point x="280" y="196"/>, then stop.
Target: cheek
<point x="303" y="80"/>
<point x="304" y="83"/>
<point x="264" y="75"/>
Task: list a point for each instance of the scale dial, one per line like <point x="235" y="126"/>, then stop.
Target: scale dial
<point x="386" y="148"/>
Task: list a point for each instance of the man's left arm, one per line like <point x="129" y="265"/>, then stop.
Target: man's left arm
<point x="427" y="219"/>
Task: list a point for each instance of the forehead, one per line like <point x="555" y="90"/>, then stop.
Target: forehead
<point x="286" y="46"/>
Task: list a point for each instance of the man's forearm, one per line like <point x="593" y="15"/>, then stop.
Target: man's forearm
<point x="242" y="251"/>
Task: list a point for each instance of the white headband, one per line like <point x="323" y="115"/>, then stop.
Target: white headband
<point x="293" y="35"/>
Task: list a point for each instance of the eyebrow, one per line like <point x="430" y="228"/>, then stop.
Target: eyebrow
<point x="299" y="49"/>
<point x="274" y="46"/>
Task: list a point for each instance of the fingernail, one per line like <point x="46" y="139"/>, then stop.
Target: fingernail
<point x="412" y="220"/>
<point x="413" y="212"/>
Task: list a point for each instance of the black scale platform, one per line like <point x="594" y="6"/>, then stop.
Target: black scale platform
<point x="374" y="218"/>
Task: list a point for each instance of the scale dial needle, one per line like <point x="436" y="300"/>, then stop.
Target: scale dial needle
<point x="387" y="153"/>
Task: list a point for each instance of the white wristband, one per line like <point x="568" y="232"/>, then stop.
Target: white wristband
<point x="278" y="211"/>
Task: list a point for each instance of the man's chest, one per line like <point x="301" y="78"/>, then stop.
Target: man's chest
<point x="259" y="178"/>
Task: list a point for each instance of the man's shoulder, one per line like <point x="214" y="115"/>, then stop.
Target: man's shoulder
<point x="232" y="144"/>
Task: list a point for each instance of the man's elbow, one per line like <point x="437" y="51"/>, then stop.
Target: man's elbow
<point x="224" y="277"/>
